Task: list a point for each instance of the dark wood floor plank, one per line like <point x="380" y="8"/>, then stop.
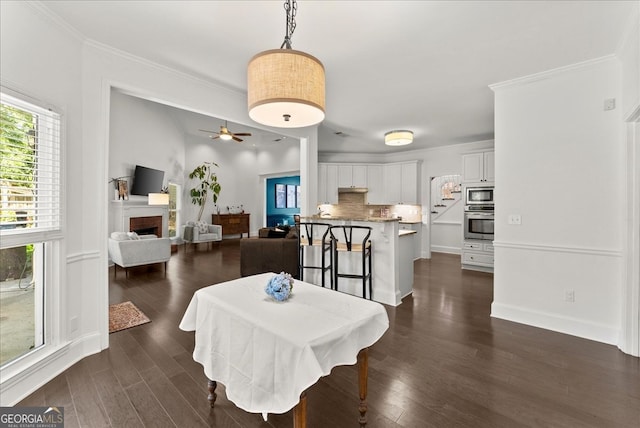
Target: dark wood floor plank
<point x="122" y="366"/>
<point x="139" y="358"/>
<point x="147" y="406"/>
<point x="115" y="400"/>
<point x="88" y="406"/>
<point x="178" y="409"/>
<point x="444" y="362"/>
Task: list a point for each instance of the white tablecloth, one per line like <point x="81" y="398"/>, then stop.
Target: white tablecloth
<point x="267" y="353"/>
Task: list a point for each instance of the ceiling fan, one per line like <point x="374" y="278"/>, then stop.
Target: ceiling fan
<point x="227" y="135"/>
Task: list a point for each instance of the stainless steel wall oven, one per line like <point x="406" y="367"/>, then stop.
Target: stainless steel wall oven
<point x="479" y="224"/>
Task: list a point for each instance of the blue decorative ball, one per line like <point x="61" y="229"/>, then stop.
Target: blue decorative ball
<point x="279" y="287"/>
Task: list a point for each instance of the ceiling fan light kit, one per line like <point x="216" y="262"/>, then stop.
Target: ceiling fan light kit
<point x="398" y="138"/>
<point x="286" y="87"/>
<point x="226" y="135"/>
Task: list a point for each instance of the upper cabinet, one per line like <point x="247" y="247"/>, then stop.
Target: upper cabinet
<point x="401" y="183"/>
<point x="478" y="167"/>
<point x="327" y="183"/>
<point x="386" y="184"/>
<point x="352" y="175"/>
<point x="375" y="194"/>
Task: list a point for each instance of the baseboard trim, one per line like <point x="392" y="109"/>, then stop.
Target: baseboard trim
<point x="18" y="386"/>
<point x="445" y="249"/>
<point x="548" y="321"/>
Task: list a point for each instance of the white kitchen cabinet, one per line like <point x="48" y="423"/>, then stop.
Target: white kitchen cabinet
<point x="401" y="183"/>
<point x="392" y="174"/>
<point x="477" y="255"/>
<point x="327" y="183"/>
<point x="409" y="189"/>
<point x="359" y="176"/>
<point x="417" y="239"/>
<point x="375" y="194"/>
<point x="352" y="175"/>
<point x="478" y="167"/>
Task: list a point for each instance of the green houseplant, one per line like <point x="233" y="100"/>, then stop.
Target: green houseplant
<point x="208" y="183"/>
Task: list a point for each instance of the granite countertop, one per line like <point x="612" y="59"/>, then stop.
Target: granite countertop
<point x="371" y="219"/>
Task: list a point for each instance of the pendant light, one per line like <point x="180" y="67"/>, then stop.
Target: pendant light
<point x="286" y="86"/>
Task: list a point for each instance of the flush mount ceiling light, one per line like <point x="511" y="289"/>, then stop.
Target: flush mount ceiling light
<point x="285" y="86"/>
<point x="398" y="138"/>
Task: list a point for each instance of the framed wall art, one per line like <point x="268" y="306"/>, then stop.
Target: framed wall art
<point x="281" y="196"/>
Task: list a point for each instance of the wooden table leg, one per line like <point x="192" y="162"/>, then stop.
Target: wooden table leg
<point x="300" y="412"/>
<point x="363" y="368"/>
<point x="211" y="386"/>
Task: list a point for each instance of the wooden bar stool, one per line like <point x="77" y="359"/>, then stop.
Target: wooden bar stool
<point x="315" y="235"/>
<point x="344" y="241"/>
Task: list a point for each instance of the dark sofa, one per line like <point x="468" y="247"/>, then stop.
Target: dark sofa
<point x="269" y="254"/>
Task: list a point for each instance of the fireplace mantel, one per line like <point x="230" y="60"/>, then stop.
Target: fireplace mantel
<point x="123" y="211"/>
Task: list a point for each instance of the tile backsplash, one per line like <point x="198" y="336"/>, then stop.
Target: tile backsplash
<point x="355" y="205"/>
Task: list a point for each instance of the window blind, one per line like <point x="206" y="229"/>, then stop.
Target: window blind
<point x="30" y="181"/>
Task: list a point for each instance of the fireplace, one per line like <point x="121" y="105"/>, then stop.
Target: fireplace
<point x="146" y="225"/>
<point x="132" y="215"/>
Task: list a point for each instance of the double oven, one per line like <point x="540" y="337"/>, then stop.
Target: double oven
<point x="479" y="217"/>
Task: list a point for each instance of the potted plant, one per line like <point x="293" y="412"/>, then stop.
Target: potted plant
<point x="208" y="183"/>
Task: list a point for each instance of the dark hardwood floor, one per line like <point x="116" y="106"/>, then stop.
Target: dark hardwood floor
<point x="443" y="363"/>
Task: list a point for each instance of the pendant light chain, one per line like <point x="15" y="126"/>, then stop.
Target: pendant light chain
<point x="291" y="8"/>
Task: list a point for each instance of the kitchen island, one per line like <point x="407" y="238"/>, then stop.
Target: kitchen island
<point x="392" y="259"/>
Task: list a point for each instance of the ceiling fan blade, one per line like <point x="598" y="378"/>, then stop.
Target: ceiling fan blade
<point x="236" y="139"/>
<point x="243" y="134"/>
<point x="213" y="138"/>
<point x="210" y="132"/>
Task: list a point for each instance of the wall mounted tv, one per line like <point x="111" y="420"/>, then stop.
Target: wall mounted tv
<point x="146" y="180"/>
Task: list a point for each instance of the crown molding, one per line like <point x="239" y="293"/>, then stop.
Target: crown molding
<point x="41" y="8"/>
<point x="525" y="80"/>
<point x="214" y="84"/>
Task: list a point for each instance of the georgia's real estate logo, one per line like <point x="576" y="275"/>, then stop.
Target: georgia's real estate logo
<point x="31" y="417"/>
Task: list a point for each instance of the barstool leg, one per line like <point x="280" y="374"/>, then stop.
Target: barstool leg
<point x="335" y="266"/>
<point x="370" y="275"/>
<point x="364" y="273"/>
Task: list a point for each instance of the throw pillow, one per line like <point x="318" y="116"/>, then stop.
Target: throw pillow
<point x="202" y="226"/>
<point x="120" y="236"/>
<point x="133" y="236"/>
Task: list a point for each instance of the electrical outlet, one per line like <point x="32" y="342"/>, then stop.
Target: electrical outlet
<point x="570" y="296"/>
<point x="609" y="104"/>
<point x="515" y="219"/>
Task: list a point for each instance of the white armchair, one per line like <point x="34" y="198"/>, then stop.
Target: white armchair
<point x="129" y="250"/>
<point x="195" y="232"/>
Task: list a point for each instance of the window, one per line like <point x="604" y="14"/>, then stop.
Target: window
<point x="30" y="222"/>
<point x="174" y="209"/>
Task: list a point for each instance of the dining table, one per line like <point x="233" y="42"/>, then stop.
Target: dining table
<point x="268" y="353"/>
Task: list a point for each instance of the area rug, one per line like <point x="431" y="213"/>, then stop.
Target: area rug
<point x="125" y="315"/>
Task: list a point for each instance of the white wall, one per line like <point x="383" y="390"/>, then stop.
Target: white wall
<point x="144" y="133"/>
<point x="560" y="165"/>
<point x="43" y="61"/>
<point x="629" y="55"/>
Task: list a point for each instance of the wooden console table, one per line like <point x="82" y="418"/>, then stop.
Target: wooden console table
<point x="232" y="224"/>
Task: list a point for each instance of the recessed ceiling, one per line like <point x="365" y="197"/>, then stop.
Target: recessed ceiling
<point x="418" y="65"/>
